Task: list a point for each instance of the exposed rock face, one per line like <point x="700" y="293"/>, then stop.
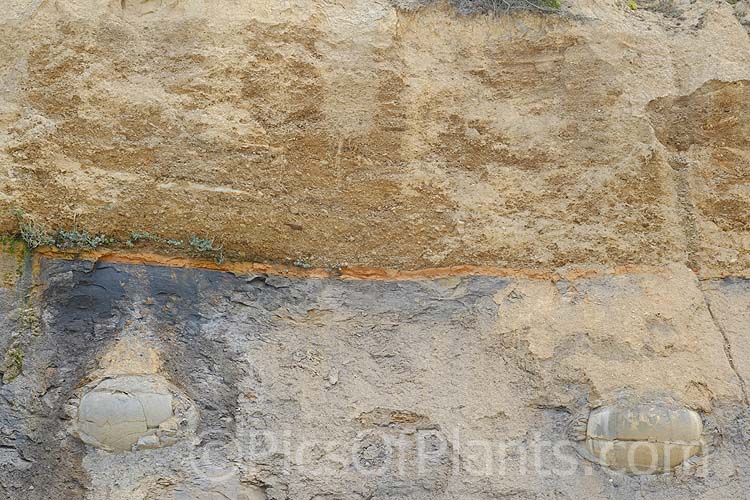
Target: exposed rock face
<point x="581" y="180"/>
<point x="708" y="136"/>
<point x="729" y="303"/>
<point x="358" y="132"/>
<point x="414" y="389"/>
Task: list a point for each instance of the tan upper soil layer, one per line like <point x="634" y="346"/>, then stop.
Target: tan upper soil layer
<point x="355" y="133"/>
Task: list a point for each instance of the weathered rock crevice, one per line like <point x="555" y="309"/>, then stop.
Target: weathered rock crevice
<point x="711" y="285"/>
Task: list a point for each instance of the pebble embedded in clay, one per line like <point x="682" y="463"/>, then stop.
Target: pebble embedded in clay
<point x="644" y="438"/>
<point x="124" y="412"/>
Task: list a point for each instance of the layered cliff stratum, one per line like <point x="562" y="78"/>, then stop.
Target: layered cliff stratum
<point x="374" y="249"/>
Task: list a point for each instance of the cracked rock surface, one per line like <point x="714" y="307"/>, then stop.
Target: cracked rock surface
<point x="645" y="438"/>
<point x="122" y="412"/>
<point x="355" y="389"/>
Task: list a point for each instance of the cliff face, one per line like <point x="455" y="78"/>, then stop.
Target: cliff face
<point x="356" y="132"/>
<point x="291" y="388"/>
<point x="374" y="250"/>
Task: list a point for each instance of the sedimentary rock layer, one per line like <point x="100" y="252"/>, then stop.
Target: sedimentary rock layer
<point x="334" y="388"/>
<point x="361" y="133"/>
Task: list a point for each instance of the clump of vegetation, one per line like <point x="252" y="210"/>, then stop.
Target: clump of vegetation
<point x="203" y="245"/>
<point x="33" y="233"/>
<point x="37" y="235"/>
<point x="501" y="6"/>
<point x="632" y="5"/>
<point x="137" y="236"/>
<point x="667" y="8"/>
<point x="486" y="6"/>
<point x="207" y="245"/>
<point x="74" y="238"/>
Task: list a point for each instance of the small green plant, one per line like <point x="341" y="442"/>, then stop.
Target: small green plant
<point x="503" y="6"/>
<point x="74" y="238"/>
<point x="144" y="236"/>
<point x="33" y="233"/>
<point x="37" y="235"/>
<point x="206" y="245"/>
<point x="632" y="5"/>
<point x="137" y="236"/>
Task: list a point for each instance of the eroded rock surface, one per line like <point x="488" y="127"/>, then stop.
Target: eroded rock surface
<point x="384" y="133"/>
<point x="356" y="389"/>
<point x="729" y="300"/>
<point x="707" y="135"/>
<point x="357" y="132"/>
